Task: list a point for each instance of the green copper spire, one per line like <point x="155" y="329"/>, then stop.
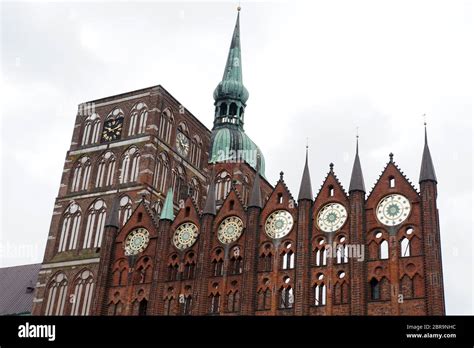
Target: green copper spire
<point x="230" y="94"/>
<point x="229" y="143"/>
<point x="167" y="211"/>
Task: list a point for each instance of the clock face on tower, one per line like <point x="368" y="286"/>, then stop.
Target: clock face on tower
<point x="182" y="144"/>
<point x="279" y="224"/>
<point x="136" y="241"/>
<point x="393" y="209"/>
<point x="230" y="230"/>
<point x="332" y="217"/>
<point x="185" y="235"/>
<point x="112" y="129"/>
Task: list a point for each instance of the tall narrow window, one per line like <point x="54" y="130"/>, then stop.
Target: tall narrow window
<point x="266" y="262"/>
<point x="130" y="165"/>
<point x="57" y="292"/>
<point x="288" y="259"/>
<point x="169" y="303"/>
<point x="215" y="303"/>
<point x="95" y="131"/>
<point x="81" y="173"/>
<point x="218" y="267"/>
<point x="86" y="133"/>
<point x="391" y="182"/>
<point x="83" y="292"/>
<point x="125" y="209"/>
<point x="383" y="250"/>
<point x="233" y="301"/>
<point x="95" y="225"/>
<point x="374" y="289"/>
<point x="405" y="247"/>
<point x="142" y="307"/>
<point x="105" y="170"/>
<point x="70" y="228"/>
<point x="186" y="305"/>
<point x="320" y="295"/>
<point x="90" y="134"/>
<point x="286" y="297"/>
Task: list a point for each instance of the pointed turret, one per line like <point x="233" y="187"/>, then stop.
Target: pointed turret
<point x="167" y="212"/>
<point x="113" y="218"/>
<point x="357" y="179"/>
<point x="210" y="206"/>
<point x="427" y="171"/>
<point x="306" y="192"/>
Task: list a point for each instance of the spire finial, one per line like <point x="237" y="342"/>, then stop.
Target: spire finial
<point x="281" y="175"/>
<point x="391" y="156"/>
<point x="306" y="191"/>
<point x="357" y="140"/>
<point x="427" y="172"/>
<point x="331" y="166"/>
<point x="357" y="179"/>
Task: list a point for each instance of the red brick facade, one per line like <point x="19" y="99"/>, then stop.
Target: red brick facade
<point x="254" y="275"/>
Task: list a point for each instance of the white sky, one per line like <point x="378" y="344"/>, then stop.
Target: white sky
<point x="315" y="69"/>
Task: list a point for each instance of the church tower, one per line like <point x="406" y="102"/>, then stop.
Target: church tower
<point x="234" y="156"/>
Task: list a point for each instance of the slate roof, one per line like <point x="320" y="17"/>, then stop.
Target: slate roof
<point x="17" y="285"/>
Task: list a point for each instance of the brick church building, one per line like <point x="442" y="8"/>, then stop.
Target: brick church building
<point x="157" y="215"/>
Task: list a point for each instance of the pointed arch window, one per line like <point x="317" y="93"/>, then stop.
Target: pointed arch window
<point x="405" y="247"/>
<point x="264" y="301"/>
<point x="57" y="292"/>
<point x="286" y="297"/>
<point x="95" y="225"/>
<point x="189" y="267"/>
<point x="223" y="185"/>
<point x="288" y="257"/>
<point x="105" y="170"/>
<point x="81" y="174"/>
<point x="130" y="165"/>
<point x="320" y="294"/>
<point x="70" y="228"/>
<point x="161" y="172"/>
<point x="374" y="289"/>
<point x="125" y="209"/>
<point x="266" y="261"/>
<point x="186" y="305"/>
<point x="138" y="116"/>
<point x="166" y="124"/>
<point x="169" y="304"/>
<point x="215" y="300"/>
<point x="91" y="132"/>
<point x="196" y="146"/>
<point x="383" y="250"/>
<point x="83" y="292"/>
<point x="321" y="253"/>
<point x="194" y="189"/>
<point x="178" y="182"/>
<point x="235" y="265"/>
<point x="233" y="301"/>
<point x="115" y="308"/>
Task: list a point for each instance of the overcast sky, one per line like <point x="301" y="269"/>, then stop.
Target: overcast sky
<point x="315" y="69"/>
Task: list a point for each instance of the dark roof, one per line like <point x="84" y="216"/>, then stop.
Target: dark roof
<point x="17" y="285"/>
<point x="306" y="191"/>
<point x="427" y="171"/>
<point x="357" y="179"/>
